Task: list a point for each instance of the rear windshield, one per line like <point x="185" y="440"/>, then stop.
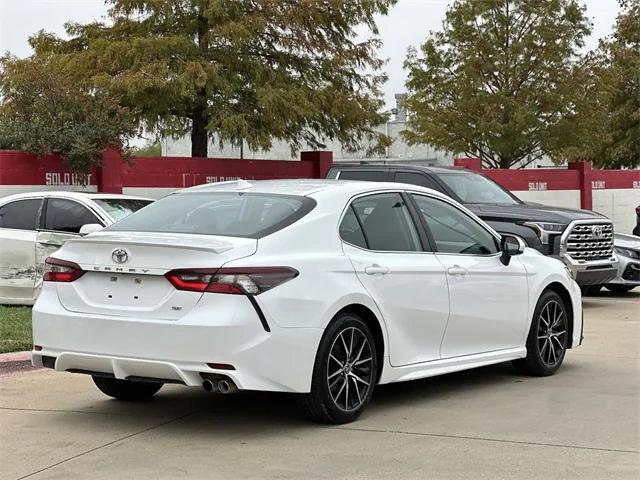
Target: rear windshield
<point x="118" y="208"/>
<point x="251" y="215"/>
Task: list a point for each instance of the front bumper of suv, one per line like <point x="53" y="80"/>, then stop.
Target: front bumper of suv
<point x="585" y="271"/>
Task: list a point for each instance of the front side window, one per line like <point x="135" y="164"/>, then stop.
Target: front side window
<point x="251" y="215"/>
<point x="453" y="231"/>
<point x="386" y="223"/>
<point x="67" y="216"/>
<point x="475" y="188"/>
<point x="118" y="208"/>
<point x="20" y="215"/>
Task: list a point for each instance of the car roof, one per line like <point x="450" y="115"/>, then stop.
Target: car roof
<point x="303" y="187"/>
<point x="383" y="165"/>
<point x="72" y="195"/>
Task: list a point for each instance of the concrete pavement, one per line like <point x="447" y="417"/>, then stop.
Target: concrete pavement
<point x="488" y="423"/>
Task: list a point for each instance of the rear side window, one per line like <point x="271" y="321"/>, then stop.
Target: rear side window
<point x="415" y="178"/>
<point x="67" y="216"/>
<point x="387" y="224"/>
<point x="350" y="229"/>
<point x="20" y="215"/>
<point x="365" y="175"/>
<point x="250" y="215"/>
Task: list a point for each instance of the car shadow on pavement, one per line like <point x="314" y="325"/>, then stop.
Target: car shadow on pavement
<point x="604" y="293"/>
<point x="259" y="414"/>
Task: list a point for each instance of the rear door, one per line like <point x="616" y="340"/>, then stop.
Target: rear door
<point x="61" y="221"/>
<point x="488" y="300"/>
<point x="407" y="282"/>
<point x="18" y="220"/>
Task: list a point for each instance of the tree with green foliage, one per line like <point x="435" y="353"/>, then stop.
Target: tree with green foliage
<point x="251" y="70"/>
<point x="607" y="120"/>
<point x="150" y="149"/>
<point x="45" y="108"/>
<point x="623" y="51"/>
<point x="498" y="80"/>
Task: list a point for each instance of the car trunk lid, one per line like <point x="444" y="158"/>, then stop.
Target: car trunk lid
<point x="125" y="271"/>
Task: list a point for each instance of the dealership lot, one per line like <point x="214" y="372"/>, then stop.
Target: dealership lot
<point x="485" y="423"/>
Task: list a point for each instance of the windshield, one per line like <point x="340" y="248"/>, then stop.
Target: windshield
<point x="474" y="188"/>
<point x="118" y="208"/>
<point x="251" y="215"/>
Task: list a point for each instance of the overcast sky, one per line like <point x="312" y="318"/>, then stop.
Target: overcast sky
<point x="408" y="24"/>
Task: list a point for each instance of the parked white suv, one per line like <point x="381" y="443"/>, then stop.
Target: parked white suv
<point x="316" y="287"/>
<point x="33" y="225"/>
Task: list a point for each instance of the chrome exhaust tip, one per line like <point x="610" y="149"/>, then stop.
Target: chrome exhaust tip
<point x="226" y="386"/>
<point x="209" y="386"/>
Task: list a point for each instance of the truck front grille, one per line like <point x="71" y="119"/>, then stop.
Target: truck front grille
<point x="590" y="241"/>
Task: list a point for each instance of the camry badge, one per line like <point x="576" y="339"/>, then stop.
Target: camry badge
<point x="119" y="255"/>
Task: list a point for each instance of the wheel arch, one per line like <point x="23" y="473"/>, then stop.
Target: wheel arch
<point x="374" y="324"/>
<point x="564" y="294"/>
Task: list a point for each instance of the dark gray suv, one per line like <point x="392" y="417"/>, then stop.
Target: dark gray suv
<point x="582" y="239"/>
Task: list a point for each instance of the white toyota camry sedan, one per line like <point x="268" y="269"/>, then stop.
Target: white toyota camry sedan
<point x="316" y="287"/>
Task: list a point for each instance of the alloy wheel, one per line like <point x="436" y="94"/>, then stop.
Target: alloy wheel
<point x="552" y="333"/>
<point x="349" y="369"/>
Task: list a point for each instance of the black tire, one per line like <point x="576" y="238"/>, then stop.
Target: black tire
<point x="332" y="398"/>
<point x="546" y="346"/>
<point x="588" y="290"/>
<point x="126" y="390"/>
<point x="619" y="288"/>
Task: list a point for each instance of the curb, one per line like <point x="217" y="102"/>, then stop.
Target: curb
<point x="15" y="357"/>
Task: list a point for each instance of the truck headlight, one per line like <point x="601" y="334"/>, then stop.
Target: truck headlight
<point x="545" y="229"/>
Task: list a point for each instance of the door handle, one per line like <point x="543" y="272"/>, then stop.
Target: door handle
<point x="375" y="270"/>
<point x="456" y="270"/>
<point x="51" y="244"/>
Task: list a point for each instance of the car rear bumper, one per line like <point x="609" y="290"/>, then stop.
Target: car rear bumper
<point x="220" y="329"/>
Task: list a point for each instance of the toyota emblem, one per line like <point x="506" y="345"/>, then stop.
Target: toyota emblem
<point x="119" y="255"/>
<point x="596" y="231"/>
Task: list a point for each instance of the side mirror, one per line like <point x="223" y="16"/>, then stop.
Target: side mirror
<point x="90" y="228"/>
<point x="511" y="245"/>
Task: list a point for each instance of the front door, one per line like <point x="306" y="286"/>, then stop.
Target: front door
<point x="488" y="300"/>
<point x="407" y="283"/>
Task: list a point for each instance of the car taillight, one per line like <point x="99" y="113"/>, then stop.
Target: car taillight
<point x="56" y="270"/>
<point x="235" y="281"/>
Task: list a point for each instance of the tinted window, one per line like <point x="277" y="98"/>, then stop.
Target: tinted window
<point x="474" y="188"/>
<point x="67" y="216"/>
<point x="453" y="230"/>
<point x="387" y="223"/>
<point x="366" y="175"/>
<point x="118" y="208"/>
<point x="250" y="215"/>
<point x="350" y="230"/>
<point x="415" y="178"/>
<point x="20" y="215"/>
